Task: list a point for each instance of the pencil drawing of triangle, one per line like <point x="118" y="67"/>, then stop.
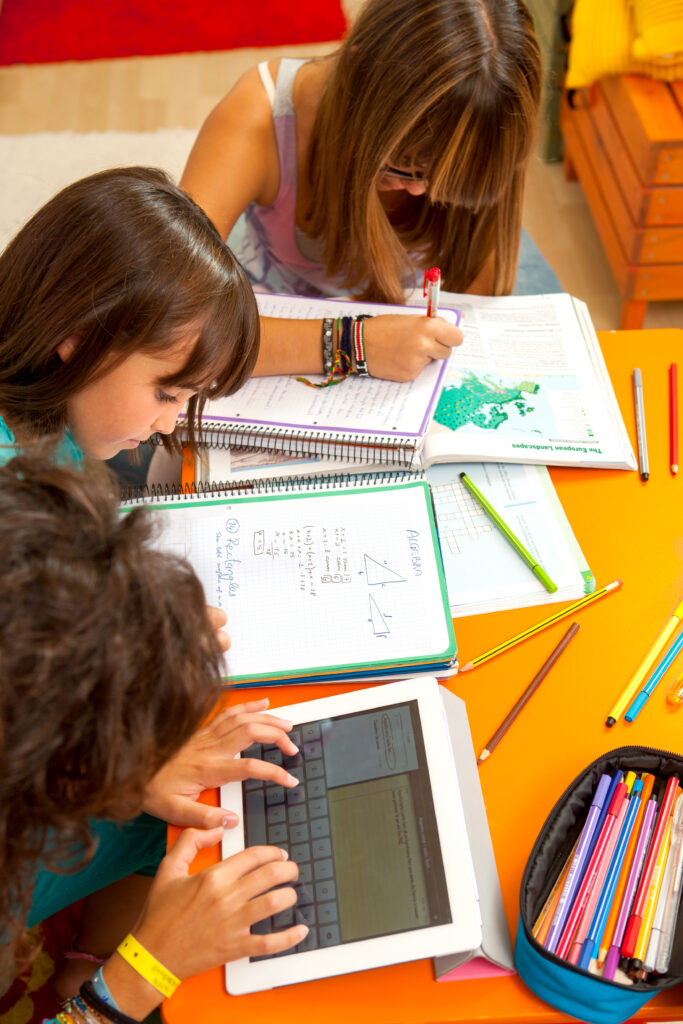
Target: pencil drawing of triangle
<point x="380" y="625"/>
<point x="378" y="573"/>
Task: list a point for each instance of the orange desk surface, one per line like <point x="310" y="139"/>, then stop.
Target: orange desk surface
<point x="627" y="529"/>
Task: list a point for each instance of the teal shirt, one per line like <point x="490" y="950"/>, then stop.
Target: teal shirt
<point x="68" y="450"/>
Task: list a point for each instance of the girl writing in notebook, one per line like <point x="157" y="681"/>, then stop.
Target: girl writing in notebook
<point x="109" y="666"/>
<point x="404" y="149"/>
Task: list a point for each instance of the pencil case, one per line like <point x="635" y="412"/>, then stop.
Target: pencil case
<point x="565" y="986"/>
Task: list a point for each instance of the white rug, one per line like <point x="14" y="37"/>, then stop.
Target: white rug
<point x="34" y="167"/>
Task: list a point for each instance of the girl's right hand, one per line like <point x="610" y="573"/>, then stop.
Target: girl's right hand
<point x="192" y="923"/>
<point x="398" y="347"/>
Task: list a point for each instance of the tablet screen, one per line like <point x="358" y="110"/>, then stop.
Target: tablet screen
<point x="360" y="825"/>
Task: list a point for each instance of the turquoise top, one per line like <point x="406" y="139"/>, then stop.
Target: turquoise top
<point x="68" y="450"/>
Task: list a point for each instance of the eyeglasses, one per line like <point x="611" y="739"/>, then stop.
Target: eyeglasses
<point x="396" y="172"/>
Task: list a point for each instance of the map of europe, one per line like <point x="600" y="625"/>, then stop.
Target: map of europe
<point x="481" y="401"/>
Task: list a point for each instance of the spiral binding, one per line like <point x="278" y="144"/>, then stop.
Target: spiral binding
<point x="383" y="450"/>
<point x="273" y="485"/>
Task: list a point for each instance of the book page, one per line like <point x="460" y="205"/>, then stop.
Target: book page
<point x="528" y="384"/>
<point x="315" y="580"/>
<point x="357" y="405"/>
<point x="483" y="571"/>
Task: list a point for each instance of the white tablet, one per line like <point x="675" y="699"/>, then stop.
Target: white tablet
<point x="377" y="829"/>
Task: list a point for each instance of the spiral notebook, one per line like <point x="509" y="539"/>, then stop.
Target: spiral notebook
<point x="528" y="385"/>
<point x="338" y="583"/>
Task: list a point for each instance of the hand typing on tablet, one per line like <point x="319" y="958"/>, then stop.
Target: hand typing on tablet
<point x="208" y="761"/>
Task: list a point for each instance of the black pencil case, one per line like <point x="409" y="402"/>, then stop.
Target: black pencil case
<point x="572" y="990"/>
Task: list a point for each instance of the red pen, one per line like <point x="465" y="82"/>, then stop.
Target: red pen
<point x="673" y="417"/>
<point x="636" y="919"/>
<point x="430" y="289"/>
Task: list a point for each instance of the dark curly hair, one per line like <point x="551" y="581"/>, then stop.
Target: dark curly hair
<point x="109" y="664"/>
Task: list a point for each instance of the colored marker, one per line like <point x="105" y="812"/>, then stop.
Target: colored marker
<point x="578" y="864"/>
<point x="673" y="898"/>
<point x="638" y="959"/>
<point x="614" y="955"/>
<point x="430" y="289"/>
<point x="674" y="697"/>
<point x="628" y="946"/>
<point x="640" y="425"/>
<point x="661" y="669"/>
<point x="645" y="666"/>
<point x="589" y="879"/>
<point x="602" y="867"/>
<point x="604" y="903"/>
<point x="655" y="938"/>
<point x="545" y="624"/>
<point x="647" y="780"/>
<point x="536" y="568"/>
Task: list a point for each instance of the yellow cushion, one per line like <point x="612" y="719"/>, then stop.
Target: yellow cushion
<point x="658" y="28"/>
<point x="603" y="33"/>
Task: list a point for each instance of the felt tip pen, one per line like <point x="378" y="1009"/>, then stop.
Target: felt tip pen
<point x="537" y="569"/>
<point x="640" y="425"/>
<point x="673" y="895"/>
<point x="430" y="289"/>
<point x="665" y="663"/>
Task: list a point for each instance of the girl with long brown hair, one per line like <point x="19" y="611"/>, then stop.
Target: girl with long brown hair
<point x="404" y="149"/>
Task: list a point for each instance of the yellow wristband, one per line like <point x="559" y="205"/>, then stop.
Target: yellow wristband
<point x="142" y="961"/>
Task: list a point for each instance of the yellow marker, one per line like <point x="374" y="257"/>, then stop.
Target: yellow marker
<point x="630" y="690"/>
<point x="675" y="695"/>
<point x="653" y="893"/>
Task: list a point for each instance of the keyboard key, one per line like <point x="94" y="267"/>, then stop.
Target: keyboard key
<point x="315" y="769"/>
<point x="316" y="788"/>
<point x="254" y="813"/>
<point x="323" y="869"/>
<point x="304" y="895"/>
<point x="325" y="891"/>
<point x="252" y="783"/>
<point x="329" y="935"/>
<point x="296" y="796"/>
<point x="299" y="834"/>
<point x="297" y="814"/>
<point x="264" y="927"/>
<point x="327" y="913"/>
<point x="277" y="834"/>
<point x="305" y="914"/>
<point x="320" y="827"/>
<point x="318" y="808"/>
<point x="255" y="750"/>
<point x="310" y="942"/>
<point x="275" y="795"/>
<point x="295" y="737"/>
<point x="300" y="852"/>
<point x="310" y="731"/>
<point x="276" y="814"/>
<point x="273" y="755"/>
<point x="313" y="748"/>
<point x="322" y="848"/>
<point x="292" y="761"/>
<point x="297" y="772"/>
<point x="305" y="873"/>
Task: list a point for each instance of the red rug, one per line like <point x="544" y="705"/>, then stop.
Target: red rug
<point x="43" y="31"/>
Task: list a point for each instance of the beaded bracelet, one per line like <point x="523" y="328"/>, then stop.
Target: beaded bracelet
<point x="328" y="344"/>
<point x="102" y="1011"/>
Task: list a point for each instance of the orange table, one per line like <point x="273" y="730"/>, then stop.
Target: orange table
<point x="627" y="529"/>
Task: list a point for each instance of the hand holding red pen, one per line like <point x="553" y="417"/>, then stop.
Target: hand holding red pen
<point x="398" y="347"/>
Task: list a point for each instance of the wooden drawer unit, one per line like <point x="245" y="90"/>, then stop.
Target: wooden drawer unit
<point x="624" y="142"/>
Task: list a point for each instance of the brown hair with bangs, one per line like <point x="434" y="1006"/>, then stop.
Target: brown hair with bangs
<point x="109" y="664"/>
<point x="127" y="262"/>
<point x="450" y="86"/>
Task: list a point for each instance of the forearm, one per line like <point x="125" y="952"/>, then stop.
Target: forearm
<point x="289" y="346"/>
<point x="134" y="996"/>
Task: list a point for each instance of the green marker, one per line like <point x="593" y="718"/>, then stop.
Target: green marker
<point x="538" y="570"/>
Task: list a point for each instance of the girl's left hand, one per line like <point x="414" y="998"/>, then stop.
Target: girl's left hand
<point x="208" y="761"/>
<point x="218" y="619"/>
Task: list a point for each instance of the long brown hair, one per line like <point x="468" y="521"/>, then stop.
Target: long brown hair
<point x="108" y="665"/>
<point x="126" y="262"/>
<point x="451" y="84"/>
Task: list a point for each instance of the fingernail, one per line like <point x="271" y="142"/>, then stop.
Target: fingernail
<point x="303" y="930"/>
<point x="285" y="855"/>
<point x="293" y="779"/>
<point x="229" y="819"/>
<point x="295" y="747"/>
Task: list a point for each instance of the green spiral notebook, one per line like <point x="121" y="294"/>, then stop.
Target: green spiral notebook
<point x="328" y="583"/>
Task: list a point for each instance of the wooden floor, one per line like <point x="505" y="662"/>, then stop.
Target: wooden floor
<point x="146" y="93"/>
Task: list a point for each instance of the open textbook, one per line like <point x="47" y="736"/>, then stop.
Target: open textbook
<point x="529" y="384"/>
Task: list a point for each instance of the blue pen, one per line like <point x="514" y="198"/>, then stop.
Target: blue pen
<point x="604" y="903"/>
<point x="664" y="664"/>
<point x="579" y="862"/>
